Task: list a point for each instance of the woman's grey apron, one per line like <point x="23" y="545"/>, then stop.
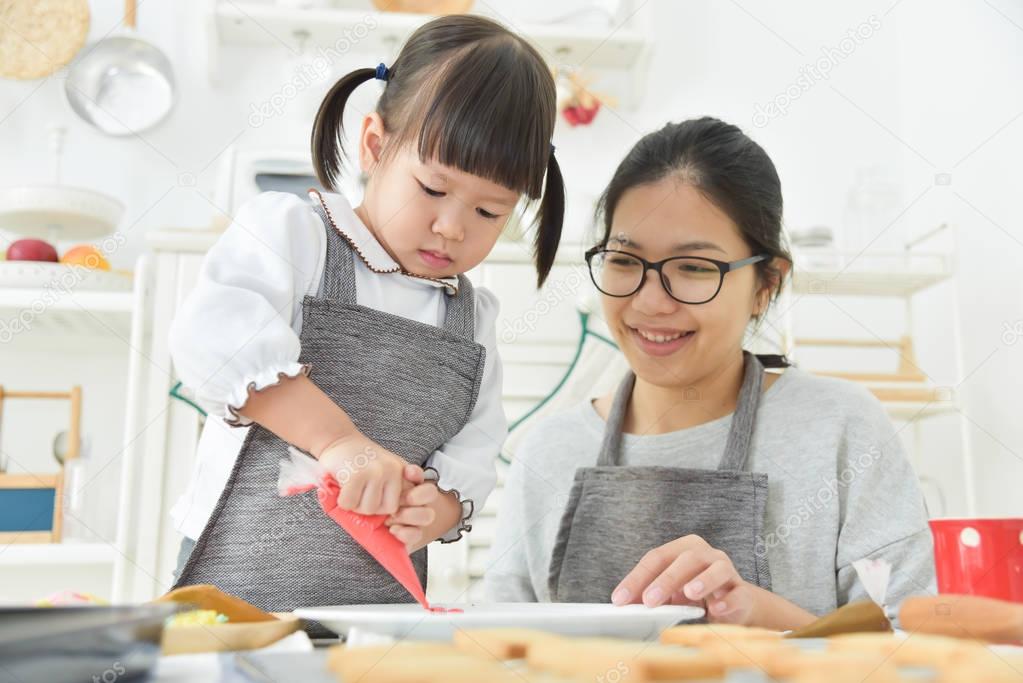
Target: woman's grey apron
<point x="408" y="386"/>
<point x="616" y="514"/>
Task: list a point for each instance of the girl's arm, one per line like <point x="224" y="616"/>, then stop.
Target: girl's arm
<point x="234" y="333"/>
<point x="300" y="413"/>
<point x="233" y="342"/>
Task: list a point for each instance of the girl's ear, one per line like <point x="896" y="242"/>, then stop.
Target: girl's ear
<point x="371" y="142"/>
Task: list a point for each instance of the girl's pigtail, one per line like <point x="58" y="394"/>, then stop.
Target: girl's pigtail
<point x="552" y="215"/>
<point x="328" y="128"/>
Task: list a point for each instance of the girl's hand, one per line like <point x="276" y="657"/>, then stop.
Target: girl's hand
<point x="423" y="511"/>
<point x="370" y="476"/>
<point x="689" y="571"/>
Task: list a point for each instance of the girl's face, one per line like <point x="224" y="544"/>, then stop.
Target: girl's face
<point x="434" y="220"/>
<point x="668" y="343"/>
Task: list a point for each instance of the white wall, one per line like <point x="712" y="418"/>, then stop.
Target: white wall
<point x="933" y="89"/>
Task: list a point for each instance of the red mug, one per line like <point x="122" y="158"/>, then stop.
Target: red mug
<point x="979" y="557"/>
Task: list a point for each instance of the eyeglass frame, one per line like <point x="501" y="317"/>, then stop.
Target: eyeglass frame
<point x="724" y="267"/>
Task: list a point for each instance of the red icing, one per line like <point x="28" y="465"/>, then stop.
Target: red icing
<point x="369" y="531"/>
<point x="295" y="490"/>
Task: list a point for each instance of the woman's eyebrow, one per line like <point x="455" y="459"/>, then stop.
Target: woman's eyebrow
<point x="696" y="245"/>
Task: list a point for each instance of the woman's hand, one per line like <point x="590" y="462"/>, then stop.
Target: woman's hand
<point x="424" y="513"/>
<point x="689" y="571"/>
<point x="371" y="477"/>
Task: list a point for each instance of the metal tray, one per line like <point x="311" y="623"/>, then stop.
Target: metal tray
<point x="72" y="644"/>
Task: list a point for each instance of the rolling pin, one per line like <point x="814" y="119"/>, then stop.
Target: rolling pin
<point x="964" y="616"/>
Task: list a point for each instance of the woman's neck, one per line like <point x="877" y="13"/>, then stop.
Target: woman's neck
<point x="658" y="410"/>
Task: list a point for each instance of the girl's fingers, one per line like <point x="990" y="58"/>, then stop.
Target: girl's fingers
<point x="391" y="497"/>
<point x="351" y="494"/>
<point x="421" y="495"/>
<point x="369" y="504"/>
<point x="413" y="516"/>
<point x="714" y="581"/>
<point x="414" y="474"/>
<point x="408" y="535"/>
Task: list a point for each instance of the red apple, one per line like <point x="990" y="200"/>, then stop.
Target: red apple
<point x="31" y="250"/>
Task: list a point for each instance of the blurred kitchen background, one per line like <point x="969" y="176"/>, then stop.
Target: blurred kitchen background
<point x="895" y="125"/>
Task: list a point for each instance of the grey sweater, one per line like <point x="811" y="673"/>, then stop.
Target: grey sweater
<point x="840" y="489"/>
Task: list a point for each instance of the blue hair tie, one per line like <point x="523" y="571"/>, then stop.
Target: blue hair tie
<point x="383" y="73"/>
<point x="552" y="148"/>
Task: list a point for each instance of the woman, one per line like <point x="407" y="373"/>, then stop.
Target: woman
<point x="704" y="479"/>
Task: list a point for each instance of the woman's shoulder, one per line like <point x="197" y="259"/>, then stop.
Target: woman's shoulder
<point x="817" y="387"/>
<point x="562" y="432"/>
<point x="807" y="393"/>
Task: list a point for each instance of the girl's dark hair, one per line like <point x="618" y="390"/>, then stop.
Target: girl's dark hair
<point x="470" y="94"/>
<point x="724" y="164"/>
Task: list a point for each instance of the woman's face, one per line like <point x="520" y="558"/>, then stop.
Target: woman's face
<point x="668" y="343"/>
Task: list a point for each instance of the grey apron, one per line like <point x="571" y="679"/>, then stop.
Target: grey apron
<point x="408" y="386"/>
<point x="616" y="514"/>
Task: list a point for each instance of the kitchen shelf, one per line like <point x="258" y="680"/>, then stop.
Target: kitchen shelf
<point x="876" y="274"/>
<point x="42" y="554"/>
<point x="71" y="313"/>
<point x="383" y="33"/>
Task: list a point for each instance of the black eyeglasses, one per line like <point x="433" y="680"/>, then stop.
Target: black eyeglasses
<point x="686" y="279"/>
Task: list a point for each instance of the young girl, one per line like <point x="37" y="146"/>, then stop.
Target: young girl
<point x="705" y="480"/>
<point x="353" y="334"/>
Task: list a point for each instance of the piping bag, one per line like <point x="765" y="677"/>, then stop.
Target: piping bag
<point x="863" y="616"/>
<point x="303" y="473"/>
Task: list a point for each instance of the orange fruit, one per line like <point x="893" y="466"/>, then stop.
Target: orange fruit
<point x="85" y="255"/>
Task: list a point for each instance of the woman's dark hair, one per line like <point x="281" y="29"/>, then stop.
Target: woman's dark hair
<point x="723" y="163"/>
<point x="470" y="94"/>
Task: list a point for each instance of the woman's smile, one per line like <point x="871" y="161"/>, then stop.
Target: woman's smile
<point x="659" y="341"/>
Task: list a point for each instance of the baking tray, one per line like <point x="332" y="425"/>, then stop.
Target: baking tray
<point x="80" y="644"/>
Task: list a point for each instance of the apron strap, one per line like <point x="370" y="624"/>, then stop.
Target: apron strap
<point x="460" y="317"/>
<point x="338" y="283"/>
<point x="612" y="445"/>
<point x="740" y="436"/>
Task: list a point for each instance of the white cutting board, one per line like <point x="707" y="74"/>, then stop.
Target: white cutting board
<point x="574" y="619"/>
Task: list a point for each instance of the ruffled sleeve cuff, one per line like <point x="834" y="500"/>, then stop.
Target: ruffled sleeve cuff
<point x="468" y="508"/>
<point x="268" y="377"/>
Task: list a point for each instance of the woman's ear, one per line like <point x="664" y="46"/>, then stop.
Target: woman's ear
<point x="371" y="142"/>
<point x="775" y="275"/>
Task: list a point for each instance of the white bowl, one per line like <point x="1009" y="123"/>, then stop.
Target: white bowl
<point x="574" y="619"/>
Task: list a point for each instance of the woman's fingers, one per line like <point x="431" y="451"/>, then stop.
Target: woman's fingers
<point x="731" y="606"/>
<point x="714" y="581"/>
<point x="676" y="575"/>
<point x="633" y="587"/>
